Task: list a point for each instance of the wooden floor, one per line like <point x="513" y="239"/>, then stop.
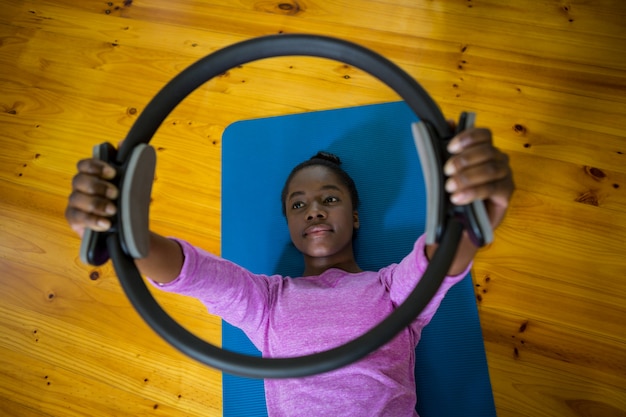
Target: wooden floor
<point x="549" y="78"/>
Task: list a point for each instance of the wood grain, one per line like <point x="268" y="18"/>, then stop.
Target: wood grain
<point x="549" y="79"/>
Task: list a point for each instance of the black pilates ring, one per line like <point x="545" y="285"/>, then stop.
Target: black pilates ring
<point x="180" y="87"/>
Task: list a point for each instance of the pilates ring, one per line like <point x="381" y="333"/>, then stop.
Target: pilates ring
<point x="152" y="117"/>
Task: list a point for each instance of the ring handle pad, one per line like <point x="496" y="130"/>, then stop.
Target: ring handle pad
<point x="134" y="202"/>
<point x="134" y="180"/>
<point x="473" y="216"/>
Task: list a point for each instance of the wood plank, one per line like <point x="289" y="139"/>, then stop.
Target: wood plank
<point x="564" y="305"/>
<point x="566" y="246"/>
<point x="95" y="385"/>
<point x="527" y="385"/>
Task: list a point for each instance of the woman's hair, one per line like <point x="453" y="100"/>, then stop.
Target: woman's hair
<point x="330" y="161"/>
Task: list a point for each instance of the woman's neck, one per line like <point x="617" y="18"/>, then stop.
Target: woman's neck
<point x="317" y="266"/>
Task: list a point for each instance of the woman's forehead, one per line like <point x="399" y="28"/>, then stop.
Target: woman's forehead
<point x="315" y="177"/>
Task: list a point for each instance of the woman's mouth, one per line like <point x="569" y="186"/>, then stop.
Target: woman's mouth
<point x="317" y="230"/>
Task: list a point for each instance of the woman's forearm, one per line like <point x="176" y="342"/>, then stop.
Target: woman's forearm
<point x="464" y="255"/>
<point x="164" y="261"/>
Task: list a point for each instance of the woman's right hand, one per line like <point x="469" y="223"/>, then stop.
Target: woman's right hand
<point x="91" y="203"/>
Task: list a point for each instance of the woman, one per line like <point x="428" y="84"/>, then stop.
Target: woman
<point x="334" y="300"/>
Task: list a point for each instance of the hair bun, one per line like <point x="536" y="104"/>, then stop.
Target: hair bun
<point x="327" y="156"/>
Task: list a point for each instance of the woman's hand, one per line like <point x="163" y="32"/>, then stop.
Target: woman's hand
<point x="476" y="171"/>
<point x="91" y="203"/>
<point x="479" y="171"/>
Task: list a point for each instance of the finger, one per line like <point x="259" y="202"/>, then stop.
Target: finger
<point x="92" y="204"/>
<point x="96" y="167"/>
<point x="469" y="138"/>
<point x="472" y="182"/>
<point x="490" y="169"/>
<point x="498" y="192"/>
<point x="93" y="185"/>
<point x="474" y="176"/>
<point x="475" y="155"/>
<point x="80" y="220"/>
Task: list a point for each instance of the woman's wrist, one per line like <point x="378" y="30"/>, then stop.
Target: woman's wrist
<point x="164" y="261"/>
<point x="465" y="254"/>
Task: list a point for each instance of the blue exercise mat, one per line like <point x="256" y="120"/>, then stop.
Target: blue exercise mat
<point x="377" y="149"/>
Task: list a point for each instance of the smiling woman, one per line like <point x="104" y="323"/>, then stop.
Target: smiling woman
<point x="105" y="232"/>
<point x="277" y="313"/>
<point x="321" y="209"/>
<point x="546" y="77"/>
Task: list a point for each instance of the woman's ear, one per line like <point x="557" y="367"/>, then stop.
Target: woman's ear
<point x="355" y="219"/>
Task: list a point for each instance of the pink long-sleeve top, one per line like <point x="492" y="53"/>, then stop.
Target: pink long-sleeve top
<point x="286" y="317"/>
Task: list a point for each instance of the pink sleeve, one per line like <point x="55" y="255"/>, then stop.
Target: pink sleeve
<point x="228" y="290"/>
<point x="402" y="278"/>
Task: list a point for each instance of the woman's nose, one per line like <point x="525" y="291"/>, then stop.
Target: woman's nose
<point x="315" y="211"/>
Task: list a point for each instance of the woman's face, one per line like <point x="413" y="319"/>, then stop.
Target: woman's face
<point x="320" y="214"/>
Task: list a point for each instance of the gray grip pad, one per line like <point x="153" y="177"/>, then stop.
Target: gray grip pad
<point x="134" y="201"/>
<point x="432" y="178"/>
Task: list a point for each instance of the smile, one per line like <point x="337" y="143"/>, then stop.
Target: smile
<point x="317" y="229"/>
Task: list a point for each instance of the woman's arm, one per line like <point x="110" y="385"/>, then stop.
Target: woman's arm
<point x="464" y="255"/>
<point x="164" y="261"/>
<point x="227" y="289"/>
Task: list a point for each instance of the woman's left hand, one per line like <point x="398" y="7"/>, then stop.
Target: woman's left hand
<point x="479" y="171"/>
